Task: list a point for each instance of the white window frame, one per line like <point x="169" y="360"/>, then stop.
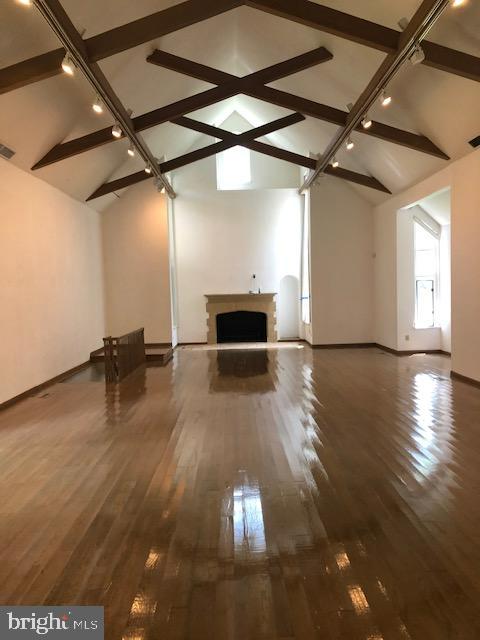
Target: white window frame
<point x="305" y="278"/>
<point x="435" y="277"/>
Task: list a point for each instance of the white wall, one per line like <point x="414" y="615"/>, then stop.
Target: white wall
<point x="223" y="237"/>
<point x="341" y="264"/>
<point x="136" y="264"/>
<point x="462" y="177"/>
<point x="51" y="296"/>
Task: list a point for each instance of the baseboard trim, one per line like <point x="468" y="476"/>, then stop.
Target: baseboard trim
<point x="40" y="387"/>
<point x="461" y="378"/>
<point x="413" y="352"/>
<point x="353" y="345"/>
<point x="158" y="345"/>
<point x="189" y="344"/>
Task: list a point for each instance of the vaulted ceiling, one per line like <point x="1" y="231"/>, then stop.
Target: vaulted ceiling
<point x="427" y="101"/>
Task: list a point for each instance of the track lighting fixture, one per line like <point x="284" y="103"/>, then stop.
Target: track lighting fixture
<point x="97" y="105"/>
<point x="148" y="169"/>
<point x="366" y="122"/>
<point x="418" y="55"/>
<point x="457" y="3"/>
<point x="131" y="150"/>
<point x="68" y="66"/>
<point x="350" y="144"/>
<point x="26" y="3"/>
<point x="385" y="99"/>
<point x="116" y="131"/>
<point x="159" y="185"/>
<point x="335" y="163"/>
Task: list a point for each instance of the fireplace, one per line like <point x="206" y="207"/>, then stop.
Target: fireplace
<point x="242" y="326"/>
<point x="241" y="317"/>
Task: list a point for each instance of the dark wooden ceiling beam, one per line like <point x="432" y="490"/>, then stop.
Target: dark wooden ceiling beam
<point x="230" y="141"/>
<point x="253" y="85"/>
<point x="367" y="33"/>
<point x="274" y="72"/>
<point x="231" y="86"/>
<point x="280" y="154"/>
<point x="116" y="40"/>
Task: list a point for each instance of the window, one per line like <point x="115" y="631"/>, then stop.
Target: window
<point x="233" y="168"/>
<point x="306" y="312"/>
<point x="426" y="275"/>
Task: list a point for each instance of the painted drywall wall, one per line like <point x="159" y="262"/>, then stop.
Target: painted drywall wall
<point x="51" y="296"/>
<point x="223" y="237"/>
<point x="341" y="264"/>
<point x="136" y="264"/>
<point x="462" y="177"/>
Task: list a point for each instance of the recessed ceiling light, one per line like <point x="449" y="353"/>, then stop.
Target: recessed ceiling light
<point x="68" y="66"/>
<point x="350" y="144"/>
<point x="366" y="122"/>
<point x="116" y="131"/>
<point x="97" y="105"/>
<point x="385" y="99"/>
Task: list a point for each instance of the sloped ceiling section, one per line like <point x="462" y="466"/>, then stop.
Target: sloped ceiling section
<point x="426" y="101"/>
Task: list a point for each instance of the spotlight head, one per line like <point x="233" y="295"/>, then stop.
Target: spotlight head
<point x="68" y="66"/>
<point x="131" y="150"/>
<point x="116" y="131"/>
<point x="350" y="144"/>
<point x="385" y="99"/>
<point x="26" y="3"/>
<point x="366" y="122"/>
<point x="335" y="163"/>
<point x="148" y="169"/>
<point x="97" y="105"/>
<point x="457" y="3"/>
<point x="418" y="56"/>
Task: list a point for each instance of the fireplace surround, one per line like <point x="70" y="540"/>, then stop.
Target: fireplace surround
<point x="258" y="303"/>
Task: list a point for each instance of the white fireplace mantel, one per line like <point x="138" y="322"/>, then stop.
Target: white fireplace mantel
<point x="227" y="302"/>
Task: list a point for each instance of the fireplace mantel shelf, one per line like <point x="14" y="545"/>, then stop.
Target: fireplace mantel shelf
<point x="231" y="296"/>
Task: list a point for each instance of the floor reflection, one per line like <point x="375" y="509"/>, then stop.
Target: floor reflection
<point x="242" y="370"/>
<point x="248" y="526"/>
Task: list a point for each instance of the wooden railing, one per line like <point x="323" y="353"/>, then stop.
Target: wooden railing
<point x="123" y="354"/>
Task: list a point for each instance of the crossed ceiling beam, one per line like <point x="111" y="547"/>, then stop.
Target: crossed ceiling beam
<point x="420" y="24"/>
<point x="281" y="154"/>
<point x="230" y="85"/>
<point x="254" y="86"/>
<point x="191" y="12"/>
<point x="230" y="141"/>
<point x="187" y="105"/>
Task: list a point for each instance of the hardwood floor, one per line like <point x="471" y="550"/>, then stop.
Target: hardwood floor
<point x="251" y="494"/>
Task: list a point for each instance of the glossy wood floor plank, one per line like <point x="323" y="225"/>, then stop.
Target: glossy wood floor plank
<point x="251" y="494"/>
